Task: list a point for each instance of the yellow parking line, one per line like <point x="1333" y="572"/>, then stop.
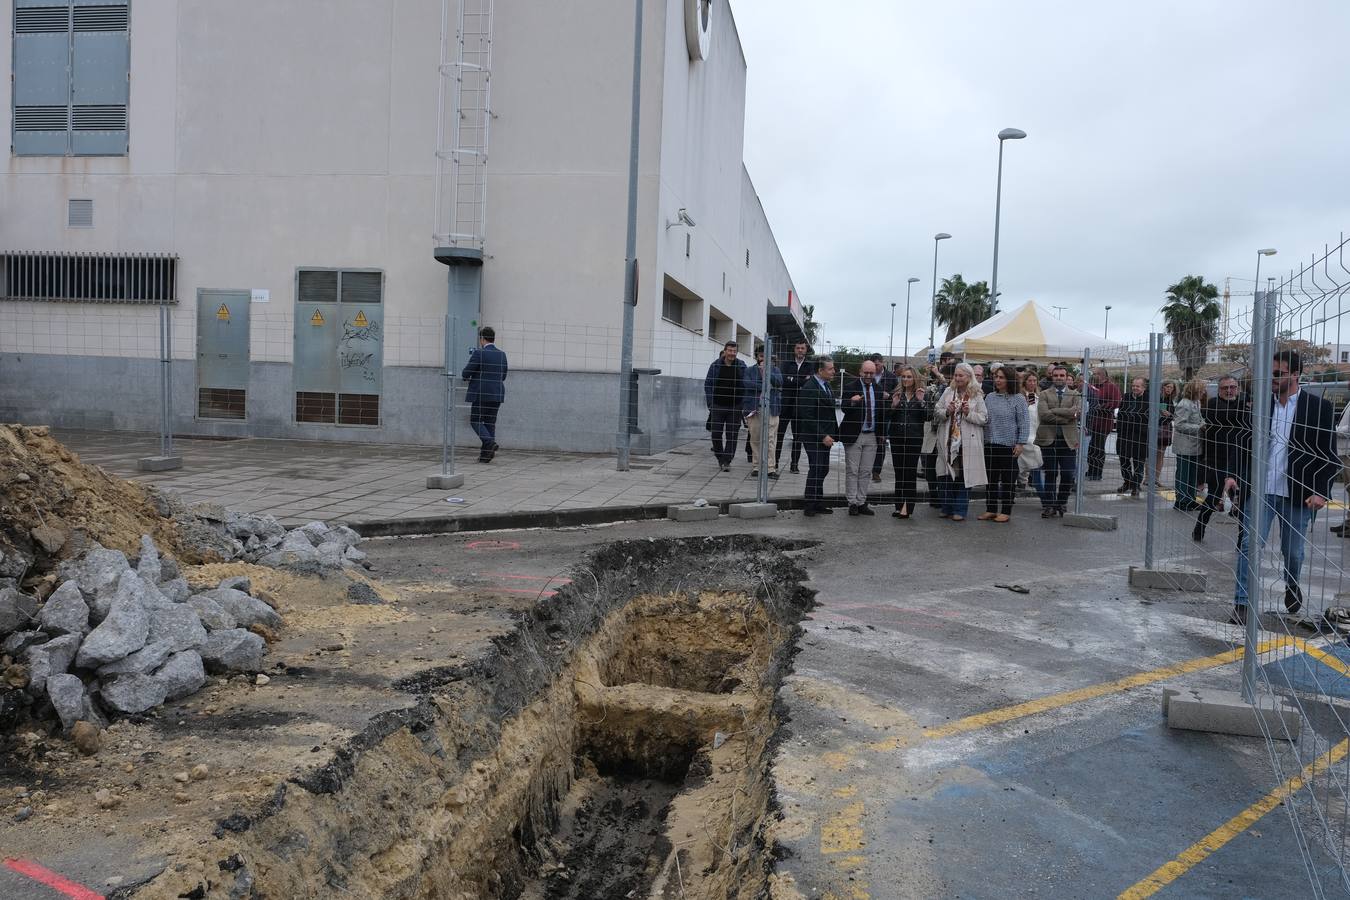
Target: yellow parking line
<point x="1201" y="850"/>
<point x="1323" y="657"/>
<point x="1056" y="701"/>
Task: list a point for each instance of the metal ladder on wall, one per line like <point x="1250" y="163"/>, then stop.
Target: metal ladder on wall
<point x="463" y="129"/>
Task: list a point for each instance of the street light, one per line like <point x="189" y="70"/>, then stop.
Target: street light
<point x="1007" y="134"/>
<point x="1107" y="324"/>
<point x="890" y="348"/>
<point x="932" y="308"/>
<point x="909" y="285"/>
<point x="1059" y="311"/>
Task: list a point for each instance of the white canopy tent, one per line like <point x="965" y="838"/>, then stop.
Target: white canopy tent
<point x="1031" y="333"/>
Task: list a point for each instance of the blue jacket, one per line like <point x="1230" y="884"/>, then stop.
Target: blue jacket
<point x="752" y="383"/>
<point x="710" y="383"/>
<point x="486" y="374"/>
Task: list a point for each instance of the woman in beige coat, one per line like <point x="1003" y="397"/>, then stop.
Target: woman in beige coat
<point x="961" y="416"/>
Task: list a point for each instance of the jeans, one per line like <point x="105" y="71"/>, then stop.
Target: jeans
<point x="1002" y="466"/>
<point x="905" y="460"/>
<point x="1295" y="519"/>
<point x="726" y="426"/>
<point x="483" y="421"/>
<point x="930" y="476"/>
<point x="818" y="459"/>
<point x="1058" y="468"/>
<point x="1188" y="468"/>
<point x="1037" y="482"/>
<point x="955" y="495"/>
<point x="858" y="468"/>
<point x="786" y="420"/>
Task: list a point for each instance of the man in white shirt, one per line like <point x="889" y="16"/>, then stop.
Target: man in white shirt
<point x="1301" y="464"/>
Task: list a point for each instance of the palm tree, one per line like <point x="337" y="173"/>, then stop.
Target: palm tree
<point x="809" y="324"/>
<point x="962" y="306"/>
<point x="1191" y="314"/>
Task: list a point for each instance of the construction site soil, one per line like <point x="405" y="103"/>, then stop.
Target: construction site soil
<point x="608" y="735"/>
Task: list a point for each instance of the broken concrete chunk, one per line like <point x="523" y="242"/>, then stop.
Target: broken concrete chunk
<point x="232" y="650"/>
<point x="168" y="569"/>
<point x="298" y="541"/>
<point x="182" y="675"/>
<point x="67" y="696"/>
<point x="65" y="611"/>
<point x="142" y="662"/>
<point x="213" y="615"/>
<point x="122" y="632"/>
<point x="149" y="567"/>
<point x="237" y="582"/>
<point x="176" y="590"/>
<point x="246" y="610"/>
<point x="177" y="625"/>
<point x="330" y="554"/>
<point x="17" y="611"/>
<point x="132" y="693"/>
<point x="51" y="658"/>
<point x="353" y="555"/>
<point x="98" y="570"/>
<point x="316" y="531"/>
<point x="211" y="512"/>
<point x="18" y="642"/>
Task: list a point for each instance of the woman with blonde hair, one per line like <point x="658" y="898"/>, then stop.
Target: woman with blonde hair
<point x="910" y="412"/>
<point x="961" y="416"/>
<point x="1187" y="425"/>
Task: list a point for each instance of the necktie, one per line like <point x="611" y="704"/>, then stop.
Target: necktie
<point x="867" y="416"/>
<point x="1061" y="395"/>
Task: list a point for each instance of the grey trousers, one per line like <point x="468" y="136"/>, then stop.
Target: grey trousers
<point x="858" y="458"/>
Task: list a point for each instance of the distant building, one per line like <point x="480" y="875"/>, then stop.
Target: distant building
<point x="270" y="169"/>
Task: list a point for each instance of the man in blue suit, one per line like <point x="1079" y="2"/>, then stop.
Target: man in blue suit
<point x="486" y="374"/>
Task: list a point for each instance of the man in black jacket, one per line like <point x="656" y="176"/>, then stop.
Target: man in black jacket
<point x="820" y="429"/>
<point x="722" y="389"/>
<point x="887" y="380"/>
<point x="796" y="372"/>
<point x="1301" y="464"/>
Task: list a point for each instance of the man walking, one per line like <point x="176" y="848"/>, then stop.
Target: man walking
<point x="486" y="374"/>
<point x="755" y="416"/>
<point x="820" y="429"/>
<point x="863" y="409"/>
<point x="1297" y="482"/>
<point x="1103" y="399"/>
<point x="1058" y="408"/>
<point x="886" y="380"/>
<point x="722" y="389"/>
<point x="796" y="373"/>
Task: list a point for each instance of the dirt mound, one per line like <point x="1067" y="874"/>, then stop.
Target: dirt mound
<point x="49" y="500"/>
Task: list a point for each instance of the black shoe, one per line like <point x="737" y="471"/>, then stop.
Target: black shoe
<point x="1238" y="616"/>
<point x="809" y="511"/>
<point x="754" y="473"/>
<point x="1198" y="532"/>
<point x="1047" y="512"/>
<point x="1337" y="529"/>
<point x="897" y="515"/>
<point x="726" y="467"/>
<point x="773" y="476"/>
<point x="866" y="510"/>
<point x="1123" y="489"/>
<point x="794" y="470"/>
<point x="853" y="510"/>
<point x="1293" y="598"/>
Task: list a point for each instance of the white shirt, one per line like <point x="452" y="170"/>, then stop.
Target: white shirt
<point x="1281" y="420"/>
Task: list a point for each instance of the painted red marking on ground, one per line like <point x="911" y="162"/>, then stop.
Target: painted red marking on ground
<point x="531" y="591"/>
<point x="42" y="875"/>
<point x="528" y="577"/>
<point x="493" y="545"/>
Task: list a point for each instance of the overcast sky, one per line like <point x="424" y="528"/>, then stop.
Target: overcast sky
<point x="1165" y="139"/>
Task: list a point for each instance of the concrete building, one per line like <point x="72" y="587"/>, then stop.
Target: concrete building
<point x="272" y="174"/>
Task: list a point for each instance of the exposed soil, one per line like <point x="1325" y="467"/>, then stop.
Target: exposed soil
<point x="44" y="484"/>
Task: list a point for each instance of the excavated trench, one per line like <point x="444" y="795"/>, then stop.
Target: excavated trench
<point x="616" y="744"/>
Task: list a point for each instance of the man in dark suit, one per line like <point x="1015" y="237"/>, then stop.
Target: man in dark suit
<point x="486" y="374"/>
<point x="796" y="372"/>
<point x="723" y="389"/>
<point x="864" y="419"/>
<point x="820" y="429"/>
<point x="1301" y="465"/>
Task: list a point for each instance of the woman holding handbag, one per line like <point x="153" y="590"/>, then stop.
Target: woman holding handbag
<point x="961" y="416"/>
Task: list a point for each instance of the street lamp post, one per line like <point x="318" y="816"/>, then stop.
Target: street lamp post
<point x="1007" y="134"/>
<point x="932" y="308"/>
<point x="1107" y="324"/>
<point x="909" y="285"/>
<point x="890" y="347"/>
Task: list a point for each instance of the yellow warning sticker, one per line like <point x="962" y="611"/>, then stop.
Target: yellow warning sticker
<point x="223" y="314"/>
<point x="360" y="321"/>
<point x="316" y="319"/>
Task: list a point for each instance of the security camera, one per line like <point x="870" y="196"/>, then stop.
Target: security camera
<point x="681" y="218"/>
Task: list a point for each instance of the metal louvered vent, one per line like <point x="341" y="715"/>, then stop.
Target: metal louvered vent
<point x="100" y="118"/>
<point x="101" y="18"/>
<point x="80" y="213"/>
<point x="317" y="286"/>
<point x="40" y="19"/>
<point x="40" y="118"/>
<point x="362" y="287"/>
<point x="89" y="277"/>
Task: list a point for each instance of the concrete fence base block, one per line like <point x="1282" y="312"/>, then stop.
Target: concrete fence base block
<point x="754" y="510"/>
<point x="692" y="513"/>
<point x="1167" y="579"/>
<point x="159" y="463"/>
<point x="1225" y="712"/>
<point x="444" y="482"/>
<point x="1090" y="521"/>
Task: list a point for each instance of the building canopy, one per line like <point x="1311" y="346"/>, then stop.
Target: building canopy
<point x="1030" y="332"/>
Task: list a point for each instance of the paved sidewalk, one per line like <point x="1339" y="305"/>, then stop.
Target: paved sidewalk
<point x="298" y="481"/>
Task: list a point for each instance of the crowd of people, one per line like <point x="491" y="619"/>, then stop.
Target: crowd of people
<point x="962" y="426"/>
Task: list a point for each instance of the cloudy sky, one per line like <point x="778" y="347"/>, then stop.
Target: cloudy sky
<point x="1165" y="138"/>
